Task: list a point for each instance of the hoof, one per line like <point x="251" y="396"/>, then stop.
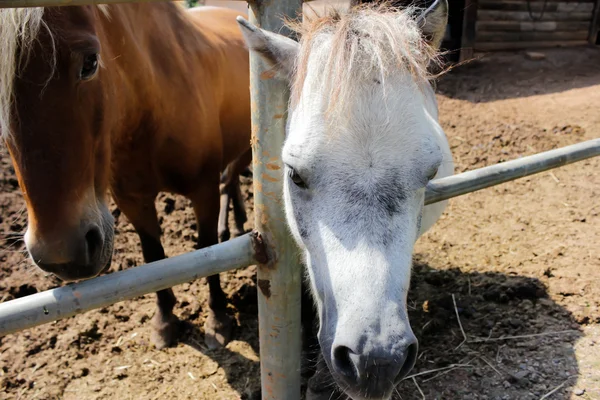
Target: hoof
<point x="217" y="329"/>
<point x="165" y="331"/>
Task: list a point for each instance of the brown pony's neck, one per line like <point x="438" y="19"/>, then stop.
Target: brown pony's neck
<point x="146" y="49"/>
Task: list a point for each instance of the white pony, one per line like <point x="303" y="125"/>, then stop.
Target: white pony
<point x="363" y="140"/>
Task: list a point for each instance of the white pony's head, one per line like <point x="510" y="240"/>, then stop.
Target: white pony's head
<point x="362" y="143"/>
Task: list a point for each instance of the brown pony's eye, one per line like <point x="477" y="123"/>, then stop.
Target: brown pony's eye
<point x="296" y="178"/>
<point x="89" y="67"/>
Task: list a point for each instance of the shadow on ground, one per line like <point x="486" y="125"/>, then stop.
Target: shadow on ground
<point x="489" y="365"/>
<point x="499" y="76"/>
<point x="520" y="344"/>
<point x="236" y="366"/>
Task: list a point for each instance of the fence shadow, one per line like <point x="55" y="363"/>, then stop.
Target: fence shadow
<point x="242" y="373"/>
<point x="506" y="75"/>
<point x="490" y="306"/>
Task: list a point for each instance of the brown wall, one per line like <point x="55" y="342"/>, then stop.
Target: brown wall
<point x="508" y="25"/>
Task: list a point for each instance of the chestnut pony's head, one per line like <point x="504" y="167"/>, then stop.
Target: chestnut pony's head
<point x="55" y="120"/>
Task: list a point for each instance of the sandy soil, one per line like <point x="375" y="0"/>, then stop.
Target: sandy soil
<point x="520" y="259"/>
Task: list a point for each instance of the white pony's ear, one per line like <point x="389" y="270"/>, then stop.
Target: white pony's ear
<point x="433" y="22"/>
<point x="278" y="51"/>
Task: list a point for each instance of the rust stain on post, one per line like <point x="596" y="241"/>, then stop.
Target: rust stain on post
<point x="267" y="177"/>
<point x="273" y="167"/>
<point x="268" y="74"/>
<point x="277" y="199"/>
<point x="258" y="244"/>
<point x="260" y="211"/>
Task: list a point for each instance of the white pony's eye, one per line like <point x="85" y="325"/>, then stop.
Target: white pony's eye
<point x="295" y="177"/>
<point x="432" y="174"/>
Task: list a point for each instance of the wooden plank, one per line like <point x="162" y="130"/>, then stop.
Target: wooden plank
<point x="494" y="15"/>
<point x="549" y="26"/>
<point x="512" y="5"/>
<point x="468" y="32"/>
<point x="594" y="25"/>
<point x="483" y="2"/>
<point x="492" y="46"/>
<point x="519" y="6"/>
<point x="575" y="7"/>
<point x="530" y="36"/>
<point x="534" y="26"/>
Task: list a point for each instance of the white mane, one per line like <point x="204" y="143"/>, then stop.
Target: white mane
<point x="353" y="45"/>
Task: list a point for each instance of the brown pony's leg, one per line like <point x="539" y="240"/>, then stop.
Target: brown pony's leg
<point x="218" y="325"/>
<point x="230" y="190"/>
<point x="223" y="227"/>
<point x="142" y="215"/>
<point x="235" y="191"/>
<point x="239" y="208"/>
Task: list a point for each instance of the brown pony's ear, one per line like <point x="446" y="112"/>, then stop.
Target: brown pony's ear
<point x="278" y="51"/>
<point x="433" y="22"/>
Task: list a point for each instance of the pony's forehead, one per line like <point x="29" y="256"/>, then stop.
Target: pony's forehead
<point x="343" y="51"/>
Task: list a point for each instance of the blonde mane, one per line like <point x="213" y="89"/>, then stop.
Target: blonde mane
<point x="353" y="45"/>
<point x="19" y="28"/>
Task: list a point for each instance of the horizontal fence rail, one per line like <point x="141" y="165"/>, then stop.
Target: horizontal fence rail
<point x="72" y="299"/>
<point x="56" y="3"/>
<point x="471" y="181"/>
<point x="76" y="298"/>
<point x="53" y="3"/>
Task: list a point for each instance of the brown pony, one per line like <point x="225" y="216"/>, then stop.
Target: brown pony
<point x="135" y="99"/>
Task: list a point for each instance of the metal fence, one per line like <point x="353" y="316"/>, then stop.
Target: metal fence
<point x="269" y="246"/>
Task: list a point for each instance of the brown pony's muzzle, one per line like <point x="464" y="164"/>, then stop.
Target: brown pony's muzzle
<point x="79" y="254"/>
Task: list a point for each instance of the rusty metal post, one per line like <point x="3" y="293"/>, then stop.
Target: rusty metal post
<point x="279" y="278"/>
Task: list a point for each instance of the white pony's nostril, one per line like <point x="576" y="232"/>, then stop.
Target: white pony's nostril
<point x="409" y="361"/>
<point x="343" y="363"/>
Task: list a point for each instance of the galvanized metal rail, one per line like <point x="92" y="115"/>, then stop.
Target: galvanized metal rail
<point x="471" y="181"/>
<point x="55" y="3"/>
<point x="66" y="301"/>
<point x="72" y="299"/>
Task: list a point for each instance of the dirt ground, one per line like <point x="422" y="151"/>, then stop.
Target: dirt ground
<point x="520" y="259"/>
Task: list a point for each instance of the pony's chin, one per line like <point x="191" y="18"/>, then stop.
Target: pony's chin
<point x="71" y="272"/>
<point x="359" y="395"/>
